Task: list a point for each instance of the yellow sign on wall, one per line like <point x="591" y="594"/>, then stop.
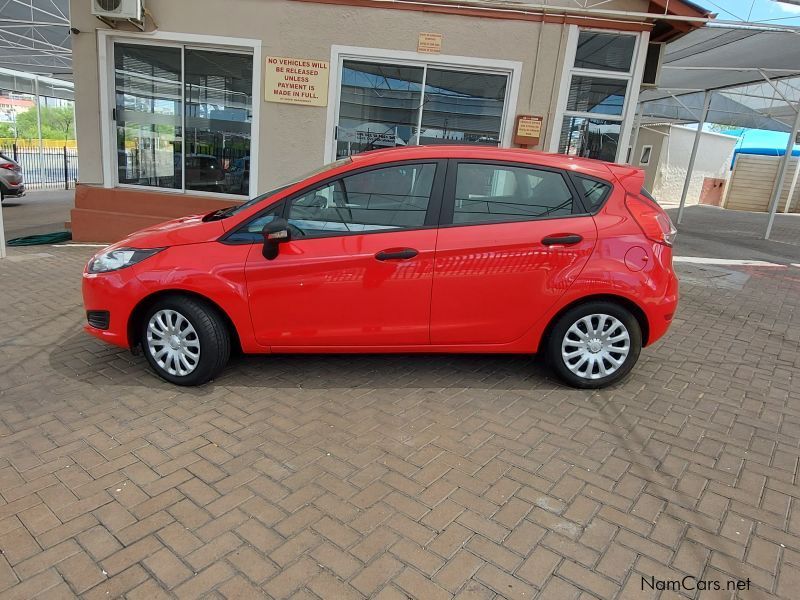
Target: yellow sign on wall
<point x="296" y="81"/>
<point x="430" y="43"/>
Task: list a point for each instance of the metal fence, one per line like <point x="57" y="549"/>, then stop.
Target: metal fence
<point x="46" y="169"/>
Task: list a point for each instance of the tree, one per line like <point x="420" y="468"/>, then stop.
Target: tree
<point x="56" y="124"/>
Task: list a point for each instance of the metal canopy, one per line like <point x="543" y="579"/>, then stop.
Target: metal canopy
<point x="754" y="70"/>
<point x="737" y="74"/>
<point x="35" y="37"/>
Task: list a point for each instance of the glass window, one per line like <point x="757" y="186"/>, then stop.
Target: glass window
<point x="252" y="230"/>
<point x="389" y="198"/>
<point x="384" y="106"/>
<point x="378" y="106"/>
<point x="183" y="127"/>
<point x="604" y="51"/>
<point x="590" y="138"/>
<point x="219" y="111"/>
<point x="596" y="95"/>
<point x="594" y="192"/>
<point x="147" y="81"/>
<point x="462" y="108"/>
<point x="490" y="194"/>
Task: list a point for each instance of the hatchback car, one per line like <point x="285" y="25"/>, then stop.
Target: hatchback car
<point x="423" y="249"/>
<point x="11" y="182"/>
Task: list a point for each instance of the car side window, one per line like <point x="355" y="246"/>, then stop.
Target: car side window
<point x="387" y="198"/>
<point x="594" y="192"/>
<point x="252" y="229"/>
<point x="486" y="193"/>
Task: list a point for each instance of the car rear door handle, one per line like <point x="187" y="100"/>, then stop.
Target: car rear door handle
<point x="566" y="239"/>
<point x="396" y="254"/>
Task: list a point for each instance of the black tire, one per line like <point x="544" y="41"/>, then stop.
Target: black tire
<point x="211" y="333"/>
<point x="593" y="379"/>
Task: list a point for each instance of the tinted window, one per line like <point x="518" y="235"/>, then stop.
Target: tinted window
<point x="594" y="192"/>
<point x="394" y="197"/>
<point x="604" y="51"/>
<point x="492" y="193"/>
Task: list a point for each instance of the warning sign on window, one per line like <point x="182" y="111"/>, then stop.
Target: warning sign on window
<point x="296" y="81"/>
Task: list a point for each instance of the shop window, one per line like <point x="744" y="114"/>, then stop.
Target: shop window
<point x="183" y="117"/>
<point x="599" y="92"/>
<point x="383" y="105"/>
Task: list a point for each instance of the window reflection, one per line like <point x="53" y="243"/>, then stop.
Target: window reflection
<point x="597" y="95"/>
<point x="148" y="114"/>
<point x="590" y="138"/>
<point x="378" y="106"/>
<point x="462" y="108"/>
<point x="219" y="112"/>
<point x="383" y="106"/>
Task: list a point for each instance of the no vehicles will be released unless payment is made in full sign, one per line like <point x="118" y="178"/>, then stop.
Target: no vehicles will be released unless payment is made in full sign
<point x="296" y="81"/>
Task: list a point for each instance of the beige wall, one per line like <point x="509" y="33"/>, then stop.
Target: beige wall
<point x="654" y="136"/>
<point x="292" y="137"/>
<point x="752" y="180"/>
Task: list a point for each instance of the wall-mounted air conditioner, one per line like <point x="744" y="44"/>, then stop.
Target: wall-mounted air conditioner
<point x="118" y="9"/>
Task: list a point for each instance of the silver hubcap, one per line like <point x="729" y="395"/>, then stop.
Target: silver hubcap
<point x="173" y="342"/>
<point x="595" y="346"/>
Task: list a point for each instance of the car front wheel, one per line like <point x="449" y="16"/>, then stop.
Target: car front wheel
<point x="594" y="344"/>
<point x="185" y="340"/>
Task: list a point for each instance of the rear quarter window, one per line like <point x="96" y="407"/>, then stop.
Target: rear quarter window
<point x="594" y="192"/>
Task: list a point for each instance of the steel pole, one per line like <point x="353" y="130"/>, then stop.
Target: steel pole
<point x="792" y="187"/>
<point x="693" y="155"/>
<point x="2" y="234"/>
<point x="776" y="192"/>
<point x="39" y="127"/>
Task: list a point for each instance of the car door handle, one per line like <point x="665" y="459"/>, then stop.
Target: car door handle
<point x="567" y="239"/>
<point x="396" y="254"/>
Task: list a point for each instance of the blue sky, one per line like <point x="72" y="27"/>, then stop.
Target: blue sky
<point x="753" y="10"/>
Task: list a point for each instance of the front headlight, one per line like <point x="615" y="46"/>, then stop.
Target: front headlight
<point x="120" y="258"/>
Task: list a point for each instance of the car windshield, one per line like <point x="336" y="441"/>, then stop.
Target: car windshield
<point x="233" y="210"/>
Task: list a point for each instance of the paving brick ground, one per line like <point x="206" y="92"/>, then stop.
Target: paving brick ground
<point x="403" y="477"/>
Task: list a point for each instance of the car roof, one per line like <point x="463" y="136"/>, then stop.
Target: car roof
<point x="590" y="166"/>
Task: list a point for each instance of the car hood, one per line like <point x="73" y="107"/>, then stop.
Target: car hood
<point x="178" y="232"/>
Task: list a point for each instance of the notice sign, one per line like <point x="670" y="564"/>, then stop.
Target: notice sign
<point x="528" y="130"/>
<point x="430" y="43"/>
<point x="296" y="81"/>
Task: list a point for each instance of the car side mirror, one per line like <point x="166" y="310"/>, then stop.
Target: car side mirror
<point x="275" y="233"/>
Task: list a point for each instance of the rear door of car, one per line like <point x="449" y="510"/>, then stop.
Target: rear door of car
<point x="513" y="238"/>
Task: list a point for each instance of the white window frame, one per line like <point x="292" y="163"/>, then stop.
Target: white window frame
<point x="512" y="69"/>
<point x="108" y="135"/>
<point x="642" y="162"/>
<point x="633" y="77"/>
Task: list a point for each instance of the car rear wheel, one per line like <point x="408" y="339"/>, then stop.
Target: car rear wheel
<point x="594" y="344"/>
<point x="185" y="340"/>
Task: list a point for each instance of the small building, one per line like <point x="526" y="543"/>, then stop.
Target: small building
<point x="215" y="101"/>
<point x="663" y="151"/>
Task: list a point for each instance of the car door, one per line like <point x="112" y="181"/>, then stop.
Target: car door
<point x="513" y="237"/>
<point x="358" y="269"/>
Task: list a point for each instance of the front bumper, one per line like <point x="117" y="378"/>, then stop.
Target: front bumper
<point x="118" y="293"/>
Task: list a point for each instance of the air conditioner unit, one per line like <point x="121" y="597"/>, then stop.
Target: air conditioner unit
<point x="118" y="9"/>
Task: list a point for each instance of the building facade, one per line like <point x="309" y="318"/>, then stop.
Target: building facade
<point x="214" y="102"/>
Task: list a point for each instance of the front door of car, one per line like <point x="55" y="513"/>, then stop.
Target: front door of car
<point x="512" y="240"/>
<point x="358" y="268"/>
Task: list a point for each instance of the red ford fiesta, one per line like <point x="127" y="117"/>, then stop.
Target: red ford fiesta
<point x="424" y="249"/>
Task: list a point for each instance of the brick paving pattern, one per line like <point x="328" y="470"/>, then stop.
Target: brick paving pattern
<point x="400" y="476"/>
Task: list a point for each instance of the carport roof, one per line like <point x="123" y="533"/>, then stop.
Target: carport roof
<point x="35" y="37"/>
<point x="754" y="70"/>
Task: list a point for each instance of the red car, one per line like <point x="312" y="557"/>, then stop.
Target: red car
<point x="419" y="249"/>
